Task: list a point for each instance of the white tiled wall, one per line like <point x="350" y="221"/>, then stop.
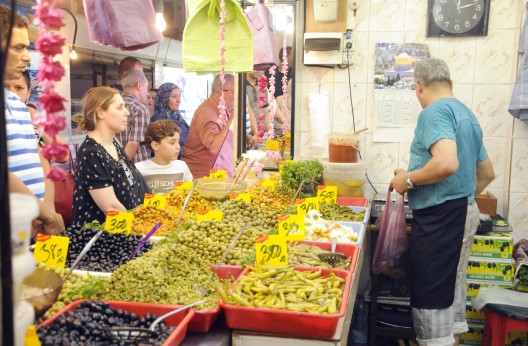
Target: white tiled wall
<point x="483" y="70"/>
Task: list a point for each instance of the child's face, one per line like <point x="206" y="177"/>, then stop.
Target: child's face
<point x="169" y="147"/>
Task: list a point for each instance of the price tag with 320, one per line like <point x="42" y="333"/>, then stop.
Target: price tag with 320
<point x="327" y="193"/>
<point x="292" y="227"/>
<point x="51" y="250"/>
<point x="219" y="174"/>
<point x="271" y="250"/>
<point x="119" y="222"/>
<point x="304" y="205"/>
<point x="156" y="201"/>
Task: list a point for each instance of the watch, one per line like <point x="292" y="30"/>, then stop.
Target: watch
<point x="458" y="17"/>
<point x="410" y="184"/>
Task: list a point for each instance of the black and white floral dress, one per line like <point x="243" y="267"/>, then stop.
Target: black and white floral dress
<point x="97" y="169"/>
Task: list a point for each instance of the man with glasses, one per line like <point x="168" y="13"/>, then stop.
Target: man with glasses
<point x="209" y="144"/>
<point x="25" y="170"/>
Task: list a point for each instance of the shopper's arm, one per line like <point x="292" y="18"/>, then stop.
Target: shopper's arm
<point x="106" y="199"/>
<point x="485" y="175"/>
<point x="131" y="149"/>
<point x="218" y="139"/>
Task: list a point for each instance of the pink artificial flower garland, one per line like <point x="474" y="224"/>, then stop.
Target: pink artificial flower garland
<point x="271" y="113"/>
<point x="262" y="84"/>
<point x="285" y="127"/>
<point x="48" y="18"/>
<point x="222" y="119"/>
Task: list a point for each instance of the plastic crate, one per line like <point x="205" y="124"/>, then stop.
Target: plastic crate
<point x="349" y="250"/>
<point x="203" y="320"/>
<point x="352" y="201"/>
<point x="291" y="323"/>
<point x="180" y="320"/>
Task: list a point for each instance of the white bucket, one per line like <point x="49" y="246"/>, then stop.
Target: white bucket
<point x="348" y="177"/>
<point x="23" y="209"/>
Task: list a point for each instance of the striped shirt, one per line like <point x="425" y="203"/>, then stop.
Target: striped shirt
<point x="136" y="126"/>
<point x="23" y="157"/>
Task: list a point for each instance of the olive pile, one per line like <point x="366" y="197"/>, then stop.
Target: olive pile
<point x="108" y="253"/>
<point x="88" y="324"/>
<point x="210" y="239"/>
<point x="269" y="200"/>
<point x="336" y="212"/>
<point x="241" y="212"/>
<point x="168" y="274"/>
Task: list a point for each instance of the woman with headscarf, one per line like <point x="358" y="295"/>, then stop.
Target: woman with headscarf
<point x="167" y="105"/>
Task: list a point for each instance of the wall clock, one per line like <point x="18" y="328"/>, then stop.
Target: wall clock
<point x="458" y="17"/>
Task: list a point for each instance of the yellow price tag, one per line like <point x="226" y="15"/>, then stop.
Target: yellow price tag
<point x="272" y="144"/>
<point x="219" y="174"/>
<point x="288" y="134"/>
<point x="183" y="185"/>
<point x="271" y="250"/>
<point x="156" y="201"/>
<point x="269" y="183"/>
<point x="31" y="338"/>
<point x="202" y="215"/>
<point x="327" y="193"/>
<point x="119" y="222"/>
<point x="304" y="205"/>
<point x="243" y="196"/>
<point x="51" y="250"/>
<point x="291" y="227"/>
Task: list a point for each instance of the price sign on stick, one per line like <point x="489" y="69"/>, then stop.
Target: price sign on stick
<point x="207" y="214"/>
<point x="271" y="250"/>
<point x="156" y="201"/>
<point x="219" y="174"/>
<point x="183" y="185"/>
<point x="292" y="227"/>
<point x="269" y="183"/>
<point x="272" y="144"/>
<point x="243" y="196"/>
<point x="304" y="205"/>
<point x="327" y="193"/>
<point x="119" y="222"/>
<point x="51" y="250"/>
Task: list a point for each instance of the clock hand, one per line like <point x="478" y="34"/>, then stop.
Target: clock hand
<point x="467" y="6"/>
<point x="458" y="6"/>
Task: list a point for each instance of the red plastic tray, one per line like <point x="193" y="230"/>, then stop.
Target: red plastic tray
<point x="349" y="250"/>
<point x="204" y="320"/>
<point x="291" y="323"/>
<point x="352" y="201"/>
<point x="180" y="320"/>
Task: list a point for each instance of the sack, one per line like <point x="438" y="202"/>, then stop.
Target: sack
<point x="64" y="194"/>
<point x="391" y="253"/>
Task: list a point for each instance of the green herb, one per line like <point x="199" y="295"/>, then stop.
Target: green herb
<point x="293" y="174"/>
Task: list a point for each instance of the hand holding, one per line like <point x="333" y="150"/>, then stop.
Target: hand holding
<point x="399" y="182"/>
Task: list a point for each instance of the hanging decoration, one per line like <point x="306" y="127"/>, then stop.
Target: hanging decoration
<point x="272" y="103"/>
<point x="222" y="119"/>
<point x="262" y="82"/>
<point x="285" y="127"/>
<point x="50" y="121"/>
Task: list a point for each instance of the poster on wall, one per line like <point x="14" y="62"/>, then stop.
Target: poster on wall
<point x="396" y="106"/>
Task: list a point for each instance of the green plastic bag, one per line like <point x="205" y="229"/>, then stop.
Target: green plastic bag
<point x="201" y="39"/>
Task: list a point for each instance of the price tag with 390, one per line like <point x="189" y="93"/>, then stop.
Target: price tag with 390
<point x="156" y="201"/>
<point x="292" y="227"/>
<point x="271" y="250"/>
<point x="51" y="250"/>
<point x="207" y="214"/>
<point x="304" y="205"/>
<point x="327" y="193"/>
<point x="119" y="222"/>
<point x="219" y="174"/>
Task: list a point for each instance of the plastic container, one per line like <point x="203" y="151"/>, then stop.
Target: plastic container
<point x="352" y="201"/>
<point x="22" y="209"/>
<point x="23" y="266"/>
<point x="284" y="322"/>
<point x="342" y="147"/>
<point x="180" y="320"/>
<point x="215" y="190"/>
<point x="349" y="250"/>
<point x="348" y="177"/>
<point x="359" y="327"/>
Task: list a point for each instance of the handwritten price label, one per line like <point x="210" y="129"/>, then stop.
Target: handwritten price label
<point x="51" y="250"/>
<point x="119" y="222"/>
<point x="243" y="196"/>
<point x="271" y="250"/>
<point x="156" y="201"/>
<point x="269" y="183"/>
<point x="292" y="227"/>
<point x="272" y="144"/>
<point x="183" y="185"/>
<point x="304" y="205"/>
<point x="219" y="174"/>
<point x="327" y="193"/>
<point x="203" y="215"/>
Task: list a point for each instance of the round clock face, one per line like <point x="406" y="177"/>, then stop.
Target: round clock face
<point x="458" y="16"/>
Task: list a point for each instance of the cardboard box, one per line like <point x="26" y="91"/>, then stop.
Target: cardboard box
<point x="473" y="336"/>
<point x="472" y="287"/>
<point x="475" y="316"/>
<point x="490" y="270"/>
<point x="487" y="203"/>
<point x="492" y="246"/>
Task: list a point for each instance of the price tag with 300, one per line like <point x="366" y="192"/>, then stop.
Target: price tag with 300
<point x="156" y="201"/>
<point x="207" y="214"/>
<point x="304" y="205"/>
<point x="219" y="174"/>
<point x="292" y="227"/>
<point x="119" y="222"/>
<point x="183" y="185"/>
<point x="327" y="193"/>
<point x="51" y="250"/>
<point x="271" y="250"/>
<point x="243" y="196"/>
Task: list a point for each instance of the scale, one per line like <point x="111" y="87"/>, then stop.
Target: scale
<point x="379" y="201"/>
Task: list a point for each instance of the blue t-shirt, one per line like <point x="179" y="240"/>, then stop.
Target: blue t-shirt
<point x="447" y="118"/>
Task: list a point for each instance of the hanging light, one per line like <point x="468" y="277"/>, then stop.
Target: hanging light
<point x="73" y="53"/>
<point x="160" y="21"/>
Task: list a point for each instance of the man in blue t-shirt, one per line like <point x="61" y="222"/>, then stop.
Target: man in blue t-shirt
<point x="447" y="167"/>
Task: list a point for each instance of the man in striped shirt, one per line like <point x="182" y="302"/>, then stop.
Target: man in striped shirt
<point x="25" y="170"/>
